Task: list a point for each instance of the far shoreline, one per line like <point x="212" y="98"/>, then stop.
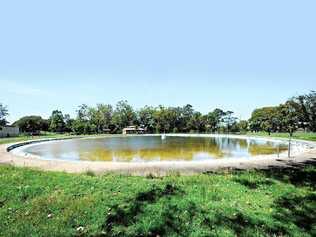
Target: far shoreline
<point x="154" y="168"/>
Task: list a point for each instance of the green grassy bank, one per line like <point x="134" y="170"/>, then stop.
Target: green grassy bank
<point x="275" y="202"/>
<point x="25" y="138"/>
<point x="296" y="135"/>
<point x="247" y="203"/>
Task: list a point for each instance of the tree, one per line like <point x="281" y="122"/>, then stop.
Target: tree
<point x="289" y="117"/>
<point x="305" y="107"/>
<point x="57" y="123"/>
<point x="31" y="124"/>
<point x="266" y="119"/>
<point x="214" y="119"/>
<point x="123" y="115"/>
<point x="146" y="118"/>
<point x="3" y="114"/>
<point x="185" y="117"/>
<point x="197" y="122"/>
<point x="229" y="120"/>
<point x="100" y="117"/>
<point x="82" y="124"/>
<point x="243" y="125"/>
<point x="68" y="123"/>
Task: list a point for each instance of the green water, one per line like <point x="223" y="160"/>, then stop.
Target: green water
<point x="153" y="148"/>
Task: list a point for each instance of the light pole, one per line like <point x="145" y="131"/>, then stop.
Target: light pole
<point x="289" y="148"/>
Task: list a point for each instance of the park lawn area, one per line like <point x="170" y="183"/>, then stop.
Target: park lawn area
<point x="43" y="136"/>
<point x="308" y="136"/>
<point x="25" y="138"/>
<point x="229" y="203"/>
<point x="275" y="202"/>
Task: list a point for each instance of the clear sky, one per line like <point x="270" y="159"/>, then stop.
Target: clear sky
<point x="235" y="55"/>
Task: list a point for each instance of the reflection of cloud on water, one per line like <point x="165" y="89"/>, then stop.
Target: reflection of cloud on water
<point x="202" y="156"/>
<point x="142" y="149"/>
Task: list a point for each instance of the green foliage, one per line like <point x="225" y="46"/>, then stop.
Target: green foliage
<point x="57" y="123"/>
<point x="3" y="114"/>
<point x="275" y="202"/>
<point x="296" y="113"/>
<point x="32" y="124"/>
<point x="123" y="115"/>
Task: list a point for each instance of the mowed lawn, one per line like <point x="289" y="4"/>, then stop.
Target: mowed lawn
<point x="297" y="135"/>
<point x="243" y="203"/>
<point x="274" y="202"/>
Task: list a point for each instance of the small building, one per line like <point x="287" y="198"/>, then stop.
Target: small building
<point x="133" y="130"/>
<point x="106" y="130"/>
<point x="9" y="131"/>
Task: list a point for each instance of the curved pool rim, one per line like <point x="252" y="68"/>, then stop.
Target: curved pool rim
<point x="161" y="168"/>
<point x="18" y="148"/>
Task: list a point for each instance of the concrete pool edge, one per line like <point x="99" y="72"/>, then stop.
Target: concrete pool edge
<point x="156" y="168"/>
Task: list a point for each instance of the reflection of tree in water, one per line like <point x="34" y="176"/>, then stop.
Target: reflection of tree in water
<point x="177" y="148"/>
<point x="265" y="148"/>
<point x="174" y="149"/>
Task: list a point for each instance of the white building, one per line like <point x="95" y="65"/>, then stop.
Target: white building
<point x="133" y="130"/>
<point x="9" y="131"/>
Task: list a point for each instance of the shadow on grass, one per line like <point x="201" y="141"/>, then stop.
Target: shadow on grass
<point x="298" y="174"/>
<point x="253" y="184"/>
<point x="167" y="211"/>
<point x="299" y="210"/>
<point x="121" y="217"/>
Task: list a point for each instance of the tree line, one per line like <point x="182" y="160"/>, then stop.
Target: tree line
<point x="296" y="113"/>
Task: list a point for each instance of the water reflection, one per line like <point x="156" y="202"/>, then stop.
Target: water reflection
<point x="139" y="149"/>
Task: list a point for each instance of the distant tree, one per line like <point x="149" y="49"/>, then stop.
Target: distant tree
<point x="31" y="124"/>
<point x="68" y="123"/>
<point x="164" y="118"/>
<point x="100" y="117"/>
<point x="123" y="115"/>
<point x="3" y="114"/>
<point x="229" y="120"/>
<point x="197" y="123"/>
<point x="265" y="119"/>
<point x="289" y="117"/>
<point x="57" y="123"/>
<point x="305" y="107"/>
<point x="82" y="123"/>
<point x="146" y="118"/>
<point x="214" y="119"/>
<point x="243" y="125"/>
<point x="185" y="117"/>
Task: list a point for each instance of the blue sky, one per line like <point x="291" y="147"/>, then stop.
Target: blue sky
<point x="235" y="55"/>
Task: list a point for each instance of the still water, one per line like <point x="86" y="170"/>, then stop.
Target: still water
<point x="153" y="148"/>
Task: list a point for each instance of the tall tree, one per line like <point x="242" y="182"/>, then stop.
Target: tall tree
<point x="57" y="123"/>
<point x="104" y="114"/>
<point x="229" y="120"/>
<point x="146" y="118"/>
<point x="3" y="114"/>
<point x="68" y="123"/>
<point x="305" y="107"/>
<point x="123" y="115"/>
<point x="214" y="119"/>
<point x="266" y="119"/>
<point x="197" y="122"/>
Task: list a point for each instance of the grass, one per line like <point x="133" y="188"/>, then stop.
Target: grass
<point x="297" y="135"/>
<point x="243" y="203"/>
<point x="274" y="202"/>
<point x="25" y="138"/>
